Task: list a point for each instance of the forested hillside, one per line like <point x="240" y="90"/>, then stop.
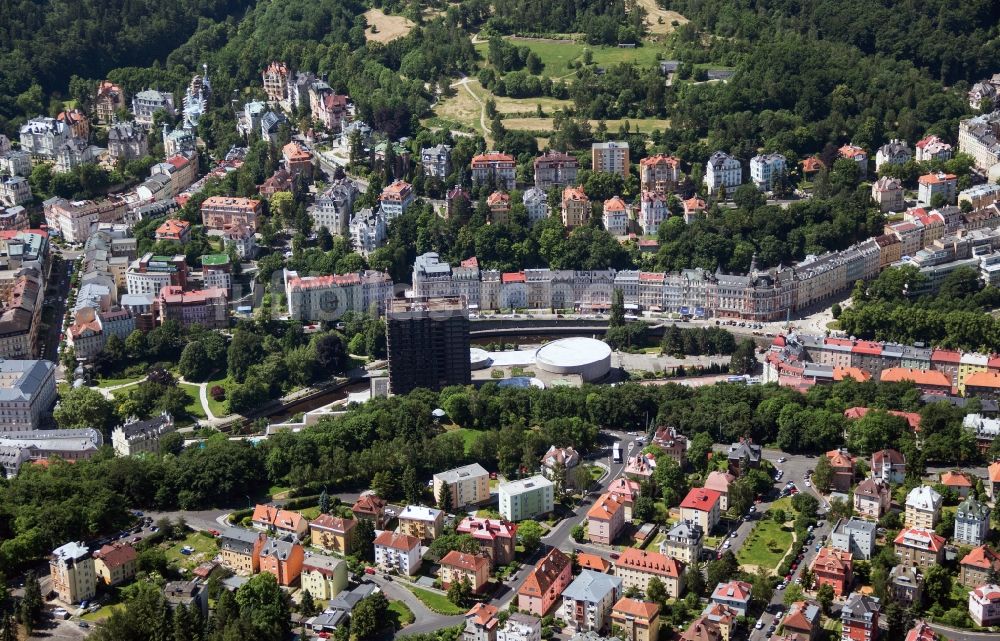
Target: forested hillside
<point x="45" y="42"/>
<point x="954" y="40"/>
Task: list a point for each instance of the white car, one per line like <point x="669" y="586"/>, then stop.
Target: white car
<point x="760" y="624"/>
<point x="782" y="459"/>
<point x="808" y="484"/>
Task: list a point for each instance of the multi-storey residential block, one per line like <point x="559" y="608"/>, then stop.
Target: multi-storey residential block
<point x="285" y="523"/>
<point x="931" y="186"/>
<point x="636" y="567"/>
<point x="615" y="216"/>
<point x="332" y="208"/>
<point x="923" y="508"/>
<point x="683" y="542"/>
<point x="283" y="559"/>
<point x="723" y="171"/>
<point x="734" y="594"/>
<point x="872" y="498"/>
<point x="803" y="620"/>
<point x="980" y="138"/>
<point x="333" y="533"/>
<point x="984" y="604"/>
<point x="127" y="141"/>
<point x="498" y="208"/>
<point x="72" y="571"/>
<point x="978" y="566"/>
<point x="217" y="271"/>
<point x="43" y="137"/>
<point x="396" y="198"/>
<point x="888" y="193"/>
<point x="428" y="344"/>
<point x="888" y="465"/>
<point x="972" y="522"/>
<point x="150" y="274"/>
<point x="659" y="173"/>
<point x="637" y="620"/>
<point x="436" y="161"/>
<point x="219" y="212"/>
<point x="605" y="520"/>
<point x="858" y="155"/>
<point x="174" y="230"/>
<point x="109" y="99"/>
<point x="146" y="103"/>
<point x="932" y="148"/>
<point x="397" y="553"/>
<point x="653" y="211"/>
<point x="468" y="485"/>
<point x="206" y="307"/>
<point x="520" y="627"/>
<point x="481" y="623"/>
<point x="14" y="191"/>
<point x="526" y="498"/>
<point x="894" y="152"/>
<point x="545" y="584"/>
<point x="702" y="507"/>
<point x="27" y="391"/>
<point x="916" y="547"/>
<point x="324" y="577"/>
<point x="587" y="601"/>
<point x="115" y="564"/>
<point x="859" y="618"/>
<point x="368" y="230"/>
<point x="536" y="202"/>
<point x="275" y="78"/>
<point x="298" y="159"/>
<point x="555" y="169"/>
<point x="425" y="523"/>
<point x="765" y="169"/>
<point x="496" y="537"/>
<point x="610" y="158"/>
<point x="906" y="584"/>
<point x="316" y="298"/>
<point x="139" y="436"/>
<point x="833" y="567"/>
<point x="743" y="455"/>
<point x="720" y="481"/>
<point x="77" y="121"/>
<point x="575" y="207"/>
<point x="18" y="448"/>
<point x="494" y="168"/>
<point x="456" y="566"/>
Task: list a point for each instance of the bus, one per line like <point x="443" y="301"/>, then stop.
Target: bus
<point x="616" y="452"/>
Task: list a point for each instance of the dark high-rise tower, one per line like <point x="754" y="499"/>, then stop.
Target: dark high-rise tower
<point x="428" y="342"/>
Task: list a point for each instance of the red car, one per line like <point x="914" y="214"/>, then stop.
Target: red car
<point x="215" y="532"/>
<point x="369" y="570"/>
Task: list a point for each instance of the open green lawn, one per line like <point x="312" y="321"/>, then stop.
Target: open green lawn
<point x="103" y="612"/>
<point x="766" y="545"/>
<point x="194" y="407"/>
<point x="112" y="382"/>
<point x="468" y="436"/>
<point x="557" y="55"/>
<point x="205" y="548"/>
<point x="400" y="614"/>
<point x="436" y="602"/>
<point x="218" y="407"/>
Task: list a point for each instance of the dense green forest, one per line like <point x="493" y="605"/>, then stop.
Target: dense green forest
<point x="385" y="440"/>
<point x="953" y="40"/>
<point x="44" y="43"/>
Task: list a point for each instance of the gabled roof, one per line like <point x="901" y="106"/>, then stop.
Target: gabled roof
<point x="650" y="563"/>
<point x="593" y="562"/>
<point x="732" y="591"/>
<point x="545" y="573"/>
<point x="719" y="481"/>
<point x="483" y="615"/>
<point x="916" y="376"/>
<point x="700" y="499"/>
<point x="116" y="555"/>
<point x="955" y="479"/>
<point x="636" y="608"/>
<point x="919" y="537"/>
<point x="334" y="524"/>
<point x="802" y="616"/>
<point x="463" y="561"/>
<point x="887" y="457"/>
<point x="397" y="541"/>
<point x="604" y="508"/>
<point x="833" y="560"/>
<point x="982" y="557"/>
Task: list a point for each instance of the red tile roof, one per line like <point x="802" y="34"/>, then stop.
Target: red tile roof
<point x="982" y="557"/>
<point x="484" y="615"/>
<point x="545" y="573"/>
<point x="116" y="555"/>
<point x="934" y="542"/>
<point x="397" y="541"/>
<point x="333" y="524"/>
<point x="955" y="479"/>
<point x="916" y="376"/>
<point x="637" y="608"/>
<point x="983" y="379"/>
<point x="463" y="561"/>
<point x="604" y="508"/>
<point x="650" y="563"/>
<point x="593" y="562"/>
<point x="700" y="499"/>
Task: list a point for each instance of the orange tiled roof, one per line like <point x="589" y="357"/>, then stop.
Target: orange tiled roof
<point x="982" y="557"/>
<point x="916" y="376"/>
<point x="650" y="563"/>
<point x="636" y="608"/>
<point x="397" y="541"/>
<point x="983" y="379"/>
<point x="545" y="573"/>
<point x="593" y="562"/>
<point x="604" y="508"/>
<point x="463" y="561"/>
<point x="700" y="499"/>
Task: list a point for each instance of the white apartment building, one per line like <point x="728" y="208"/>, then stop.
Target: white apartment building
<point x="615" y="216"/>
<point x="146" y="103"/>
<point x="27" y="390"/>
<point x="536" y="202"/>
<point x="43" y="137"/>
<point x="610" y="157"/>
<point x="587" y="601"/>
<point x="138" y="436"/>
<point x="369" y="231"/>
<point x="526" y="498"/>
<point x="520" y="627"/>
<point x="765" y="168"/>
<point x="468" y="485"/>
<point x="894" y="152"/>
<point x="73" y="576"/>
<point x="980" y="138"/>
<point x="397" y="553"/>
<point x="14" y="190"/>
<point x="332" y="208"/>
<point x="316" y="298"/>
<point x="923" y="507"/>
<point x="652" y="211"/>
<point x="723" y="171"/>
